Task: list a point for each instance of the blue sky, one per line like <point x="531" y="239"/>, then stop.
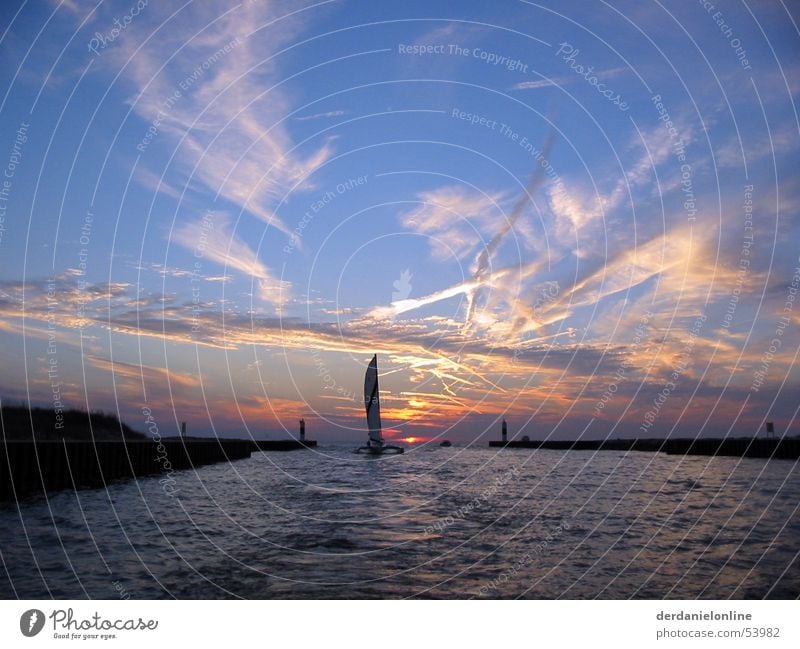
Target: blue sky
<point x="584" y="219"/>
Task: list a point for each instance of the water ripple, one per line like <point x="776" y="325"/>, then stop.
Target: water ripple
<point x="433" y="524"/>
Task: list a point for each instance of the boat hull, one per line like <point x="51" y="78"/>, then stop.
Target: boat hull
<point x="380" y="450"/>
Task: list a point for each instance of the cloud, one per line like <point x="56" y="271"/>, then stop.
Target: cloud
<point x="455" y="218"/>
<point x="584" y="214"/>
<point x="330" y="113"/>
<point x="212" y="239"/>
<point x="484" y="258"/>
<point x="136" y="375"/>
<point x="209" y="86"/>
<point x="779" y="141"/>
<point x="76" y="7"/>
<point x="155" y="183"/>
<point x="656" y="148"/>
<point x="562" y="81"/>
<point x="494" y="372"/>
<point x="539" y="83"/>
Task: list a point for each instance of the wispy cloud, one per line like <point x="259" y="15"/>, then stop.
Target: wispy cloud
<point x="131" y="373"/>
<point x="330" y="113"/>
<point x="561" y="81"/>
<point x="455" y="219"/>
<point x="486" y="372"/>
<point x="211" y="238"/>
<point x="218" y="101"/>
<point x="538" y="83"/>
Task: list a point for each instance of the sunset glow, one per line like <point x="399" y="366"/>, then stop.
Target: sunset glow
<point x="235" y="226"/>
<point x="414" y="440"/>
<point x="314" y="300"/>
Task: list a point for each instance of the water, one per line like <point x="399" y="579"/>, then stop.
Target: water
<point x="433" y="523"/>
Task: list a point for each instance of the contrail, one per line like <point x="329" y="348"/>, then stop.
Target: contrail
<point x="401" y="306"/>
<point x="481" y="275"/>
<point x="482" y="261"/>
<point x="531" y="342"/>
<point x="468" y="369"/>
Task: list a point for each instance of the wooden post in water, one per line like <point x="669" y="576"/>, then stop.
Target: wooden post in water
<point x="505" y="431"/>
<point x="302" y="430"/>
<point x="770" y="429"/>
<point x="183" y="429"/>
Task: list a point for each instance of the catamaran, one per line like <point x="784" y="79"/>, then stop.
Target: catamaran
<point x="375" y="445"/>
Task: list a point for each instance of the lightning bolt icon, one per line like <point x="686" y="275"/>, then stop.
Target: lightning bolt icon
<point x="32" y="621"/>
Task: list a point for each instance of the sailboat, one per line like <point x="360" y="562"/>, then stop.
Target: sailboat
<point x="375" y="445"/>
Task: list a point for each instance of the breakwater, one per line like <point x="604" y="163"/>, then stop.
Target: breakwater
<point x="34" y="467"/>
<point x="785" y="448"/>
<point x="283" y="444"/>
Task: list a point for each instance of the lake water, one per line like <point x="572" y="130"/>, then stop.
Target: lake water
<point x="433" y="523"/>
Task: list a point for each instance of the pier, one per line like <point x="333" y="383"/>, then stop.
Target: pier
<point x="286" y="444"/>
<point x="283" y="444"/>
<point x="34" y="467"/>
<point x="31" y="468"/>
<point x="785" y="448"/>
<point x="91" y="450"/>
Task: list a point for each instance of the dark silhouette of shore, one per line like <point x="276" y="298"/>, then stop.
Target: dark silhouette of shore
<point x="42" y="424"/>
<point x="32" y="467"/>
<point x="43" y="450"/>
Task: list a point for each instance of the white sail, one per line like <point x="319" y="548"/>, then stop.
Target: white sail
<point x="372" y="402"/>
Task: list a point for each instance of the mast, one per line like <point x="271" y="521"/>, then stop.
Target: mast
<point x="372" y="402"/>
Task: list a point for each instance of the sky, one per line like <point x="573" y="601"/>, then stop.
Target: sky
<point x="579" y="217"/>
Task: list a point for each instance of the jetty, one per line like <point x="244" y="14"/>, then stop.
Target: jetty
<point x="35" y="467"/>
<point x="42" y="451"/>
<point x="782" y="448"/>
<point x="286" y="444"/>
<point x="283" y="444"/>
<point x="786" y="448"/>
<point x="771" y="447"/>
